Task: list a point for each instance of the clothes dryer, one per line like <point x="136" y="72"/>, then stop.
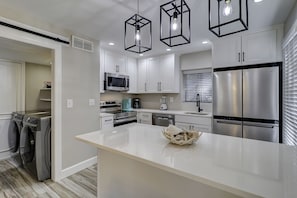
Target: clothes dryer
<point x="35" y="145"/>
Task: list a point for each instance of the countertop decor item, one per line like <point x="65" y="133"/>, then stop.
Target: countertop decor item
<point x="180" y="136"/>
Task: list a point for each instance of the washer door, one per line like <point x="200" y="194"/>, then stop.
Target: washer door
<point x="27" y="145"/>
<point x="13" y="136"/>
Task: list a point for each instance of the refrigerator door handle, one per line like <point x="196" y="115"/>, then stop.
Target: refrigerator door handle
<point x="269" y="126"/>
<point x="226" y="122"/>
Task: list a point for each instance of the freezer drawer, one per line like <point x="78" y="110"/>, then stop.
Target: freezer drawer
<point x="227" y="127"/>
<point x="261" y="93"/>
<point x="261" y="131"/>
<point x="227" y="93"/>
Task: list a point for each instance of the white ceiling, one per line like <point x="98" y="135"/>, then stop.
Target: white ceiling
<point x="104" y="19"/>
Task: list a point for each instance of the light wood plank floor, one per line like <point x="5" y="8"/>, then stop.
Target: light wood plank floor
<point x="15" y="182"/>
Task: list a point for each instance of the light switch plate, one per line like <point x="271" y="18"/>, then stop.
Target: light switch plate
<point x="91" y="102"/>
<point x="69" y="103"/>
<point x="171" y="99"/>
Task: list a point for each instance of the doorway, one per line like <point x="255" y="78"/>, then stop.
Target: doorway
<point x="56" y="104"/>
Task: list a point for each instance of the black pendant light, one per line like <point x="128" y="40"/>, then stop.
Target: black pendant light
<point x="175" y="23"/>
<point x="227" y="16"/>
<point x="138" y="33"/>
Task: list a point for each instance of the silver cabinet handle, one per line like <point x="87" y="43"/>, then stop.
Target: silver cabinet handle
<point x="160" y="86"/>
<point x="145" y="86"/>
<point x="238" y="56"/>
<point x="242" y="56"/>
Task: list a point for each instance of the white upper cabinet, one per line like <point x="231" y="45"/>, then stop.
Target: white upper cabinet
<point x="167" y="72"/>
<point x="259" y="47"/>
<point x="131" y="68"/>
<point x="114" y="62"/>
<point x="159" y="74"/>
<point x="248" y="48"/>
<point x="153" y="75"/>
<point x="141" y="77"/>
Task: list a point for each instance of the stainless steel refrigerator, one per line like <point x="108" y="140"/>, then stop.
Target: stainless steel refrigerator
<point x="246" y="101"/>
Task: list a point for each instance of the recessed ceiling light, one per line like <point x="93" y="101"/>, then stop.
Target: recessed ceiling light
<point x="257" y="1"/>
<point x="204" y="42"/>
<point x="168" y="49"/>
<point x="140" y="54"/>
<point x="111" y="43"/>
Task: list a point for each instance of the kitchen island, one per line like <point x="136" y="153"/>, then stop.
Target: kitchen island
<point x="135" y="160"/>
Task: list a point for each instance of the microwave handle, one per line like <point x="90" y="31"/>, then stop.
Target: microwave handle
<point x="127" y="82"/>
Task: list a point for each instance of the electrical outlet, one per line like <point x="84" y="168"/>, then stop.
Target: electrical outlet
<point x="69" y="103"/>
<point x="91" y="102"/>
<point x="171" y="99"/>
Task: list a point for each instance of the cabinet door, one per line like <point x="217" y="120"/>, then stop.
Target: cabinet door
<point x="153" y="75"/>
<point x="114" y="62"/>
<point x="144" y="117"/>
<point x="167" y="73"/>
<point x="141" y="76"/>
<point x="227" y="51"/>
<point x="259" y="47"/>
<point x="132" y="72"/>
<point x="106" y="122"/>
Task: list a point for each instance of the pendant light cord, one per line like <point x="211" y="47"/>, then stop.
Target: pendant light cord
<point x="138" y="7"/>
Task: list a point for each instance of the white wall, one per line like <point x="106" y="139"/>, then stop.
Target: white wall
<point x="197" y="60"/>
<point x="292" y="19"/>
<point x="36" y="74"/>
<point x="80" y="82"/>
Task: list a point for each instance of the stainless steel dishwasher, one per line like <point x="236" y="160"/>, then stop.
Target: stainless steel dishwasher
<point x="163" y="119"/>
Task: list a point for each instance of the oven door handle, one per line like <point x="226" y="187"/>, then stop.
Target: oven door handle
<point x="163" y="118"/>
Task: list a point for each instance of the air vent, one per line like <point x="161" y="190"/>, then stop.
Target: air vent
<point x="82" y="44"/>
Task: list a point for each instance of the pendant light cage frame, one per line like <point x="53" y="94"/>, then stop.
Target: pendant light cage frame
<point x="145" y="28"/>
<point x="181" y="36"/>
<point x="226" y="25"/>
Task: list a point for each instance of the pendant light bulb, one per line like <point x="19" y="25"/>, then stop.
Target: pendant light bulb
<point x="174" y="22"/>
<point x="227" y="9"/>
<point x="137" y="35"/>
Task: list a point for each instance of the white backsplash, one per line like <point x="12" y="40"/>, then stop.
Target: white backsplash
<point x="152" y="101"/>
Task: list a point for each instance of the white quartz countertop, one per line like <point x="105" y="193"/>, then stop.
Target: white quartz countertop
<point x="175" y="112"/>
<point x="240" y="166"/>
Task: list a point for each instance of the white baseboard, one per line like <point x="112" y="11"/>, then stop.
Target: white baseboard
<point x="78" y="167"/>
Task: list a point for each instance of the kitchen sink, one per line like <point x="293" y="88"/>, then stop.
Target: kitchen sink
<point x="197" y="113"/>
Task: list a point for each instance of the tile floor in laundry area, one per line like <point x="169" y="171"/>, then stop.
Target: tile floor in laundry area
<point x="15" y="182"/>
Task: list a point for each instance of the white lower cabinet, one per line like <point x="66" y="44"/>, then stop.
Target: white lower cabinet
<point x="144" y="118"/>
<point x="106" y="122"/>
<point x="196" y="123"/>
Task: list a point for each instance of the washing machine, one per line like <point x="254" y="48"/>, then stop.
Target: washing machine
<point x="35" y="145"/>
<point x="15" y="128"/>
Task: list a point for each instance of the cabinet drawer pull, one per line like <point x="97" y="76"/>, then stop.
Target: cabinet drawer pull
<point x="242" y="56"/>
<point x="108" y="120"/>
<point x="238" y="56"/>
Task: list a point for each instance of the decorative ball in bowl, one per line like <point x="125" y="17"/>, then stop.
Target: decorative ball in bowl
<point x="181" y="136"/>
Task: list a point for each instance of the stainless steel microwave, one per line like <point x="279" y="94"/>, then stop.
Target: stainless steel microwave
<point x="116" y="82"/>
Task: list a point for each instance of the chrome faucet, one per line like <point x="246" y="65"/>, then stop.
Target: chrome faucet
<point x="198" y="103"/>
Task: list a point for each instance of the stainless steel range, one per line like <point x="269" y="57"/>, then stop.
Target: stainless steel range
<point x="120" y="117"/>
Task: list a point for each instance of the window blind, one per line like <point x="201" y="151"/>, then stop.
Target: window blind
<point x="290" y="92"/>
<point x="197" y="83"/>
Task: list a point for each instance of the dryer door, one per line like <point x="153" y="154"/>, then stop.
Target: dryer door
<point x="27" y="144"/>
<point x="13" y="136"/>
